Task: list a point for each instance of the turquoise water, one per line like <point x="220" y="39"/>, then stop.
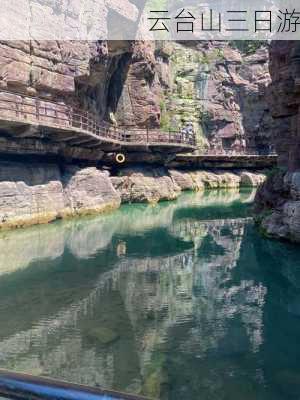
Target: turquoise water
<point x="184" y="300"/>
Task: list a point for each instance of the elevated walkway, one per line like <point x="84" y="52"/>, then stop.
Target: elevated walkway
<point x="247" y="160"/>
<point x="26" y="116"/>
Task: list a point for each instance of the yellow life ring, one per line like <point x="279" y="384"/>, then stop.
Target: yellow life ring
<point x="120" y="158"/>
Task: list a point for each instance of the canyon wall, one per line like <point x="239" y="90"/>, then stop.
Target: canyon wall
<point x="278" y="200"/>
<point x="220" y="89"/>
<point x="214" y="85"/>
<point x="137" y="84"/>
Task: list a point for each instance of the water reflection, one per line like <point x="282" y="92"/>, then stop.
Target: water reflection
<point x="175" y="301"/>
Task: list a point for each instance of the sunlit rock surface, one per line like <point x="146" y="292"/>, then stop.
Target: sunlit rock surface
<point x="151" y="185"/>
<point x="37" y="193"/>
<point x="146" y="185"/>
<point x="40" y="193"/>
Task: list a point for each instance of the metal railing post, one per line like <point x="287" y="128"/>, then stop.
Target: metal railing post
<point x="17" y="110"/>
<point x="37" y="109"/>
<point x="70" y="114"/>
<point x="23" y="387"/>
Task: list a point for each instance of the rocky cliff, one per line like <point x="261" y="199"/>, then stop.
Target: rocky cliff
<point x="216" y="86"/>
<point x="74" y="73"/>
<point x="278" y="200"/>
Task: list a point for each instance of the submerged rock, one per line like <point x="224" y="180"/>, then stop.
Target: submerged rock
<point x="156" y="383"/>
<point x="288" y="382"/>
<point x="103" y="335"/>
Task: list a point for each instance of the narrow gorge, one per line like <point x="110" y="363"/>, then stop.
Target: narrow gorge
<point x="149" y="87"/>
<point x="277" y="202"/>
<point x="149" y="180"/>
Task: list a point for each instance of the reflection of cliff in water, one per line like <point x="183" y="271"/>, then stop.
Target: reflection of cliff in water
<point x="117" y="300"/>
<point x="85" y="237"/>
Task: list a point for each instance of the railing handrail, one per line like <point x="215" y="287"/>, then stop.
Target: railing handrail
<point x="64" y="116"/>
<point x="234" y="153"/>
<point x="37" y="110"/>
<point x="22" y="387"/>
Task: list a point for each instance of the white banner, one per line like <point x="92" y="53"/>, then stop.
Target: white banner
<point x="150" y="19"/>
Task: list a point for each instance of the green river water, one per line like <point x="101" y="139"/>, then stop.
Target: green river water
<point x="183" y="300"/>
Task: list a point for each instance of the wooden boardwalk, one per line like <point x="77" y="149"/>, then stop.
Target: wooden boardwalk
<point x="59" y="122"/>
<point x="248" y="160"/>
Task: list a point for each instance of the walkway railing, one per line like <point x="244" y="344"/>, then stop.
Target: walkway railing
<point x="247" y="152"/>
<point x="30" y="110"/>
<point x="24" y="387"/>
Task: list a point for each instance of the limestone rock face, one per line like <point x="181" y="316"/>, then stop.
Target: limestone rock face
<point x="200" y="180"/>
<point x="76" y="73"/>
<point x="143" y="83"/>
<point x="29" y="194"/>
<point x="220" y="180"/>
<point x="220" y="89"/>
<point x="49" y="67"/>
<point x="153" y="185"/>
<point x="59" y="75"/>
<point x="88" y="191"/>
<point x="278" y="199"/>
<point x="146" y="185"/>
<point x="284" y="99"/>
<point x="249" y="179"/>
<point x="40" y="193"/>
<point x="183" y="179"/>
<point x="278" y="205"/>
<point x="137" y="101"/>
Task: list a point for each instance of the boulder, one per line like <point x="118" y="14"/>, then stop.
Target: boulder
<point x="146" y="185"/>
<point x="182" y="179"/>
<point x="39" y="193"/>
<point x="249" y="179"/>
<point x="211" y="180"/>
<point x="88" y="191"/>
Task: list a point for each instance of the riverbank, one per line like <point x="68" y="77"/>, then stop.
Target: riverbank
<point x="40" y="193"/>
<point x="277" y="206"/>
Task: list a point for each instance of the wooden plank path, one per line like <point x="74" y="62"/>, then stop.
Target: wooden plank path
<point x="26" y="116"/>
<point x="248" y="159"/>
<point x="81" y="128"/>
